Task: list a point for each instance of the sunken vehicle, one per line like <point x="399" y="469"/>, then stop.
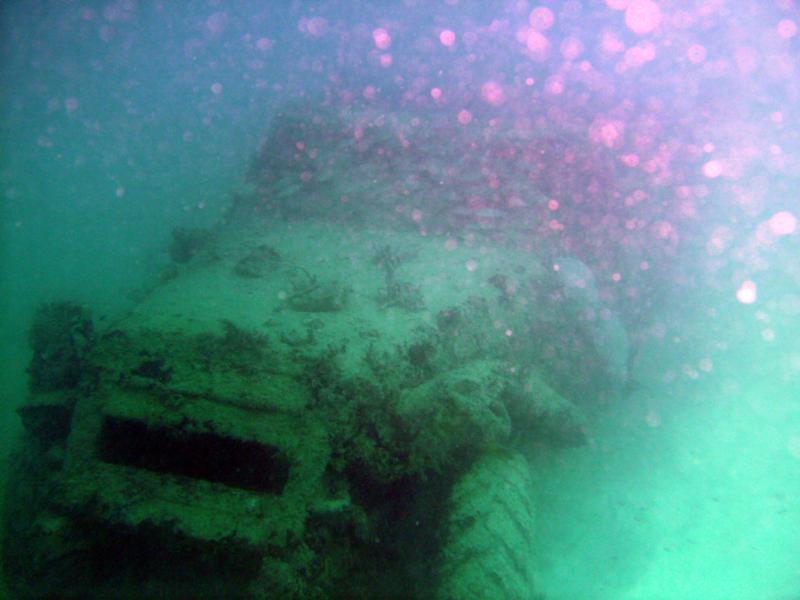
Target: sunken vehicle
<point x="335" y="392"/>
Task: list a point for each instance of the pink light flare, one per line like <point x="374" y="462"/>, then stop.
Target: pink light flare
<point x="538" y="44"/>
<point x="464" y="117"/>
<point x="541" y="18"/>
<point x="607" y="132"/>
<point x="610" y="43"/>
<point x="571" y="48"/>
<point x="436" y="93"/>
<point x="630" y="160"/>
<point x="370" y="92"/>
<point x="492" y="92"/>
<point x="447" y="38"/>
<point x="747" y="292"/>
<point x="720" y="239"/>
<point x="642" y="16"/>
<point x="696" y="53"/>
<point x="787" y="29"/>
<point x="712" y="169"/>
<point x="664" y="230"/>
<point x="315" y="26"/>
<point x="782" y="223"/>
<point x="263" y="44"/>
<point x="638" y="55"/>
<point x="554" y="85"/>
<point x="381" y="38"/>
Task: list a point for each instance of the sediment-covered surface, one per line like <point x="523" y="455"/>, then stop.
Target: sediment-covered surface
<point x="331" y="394"/>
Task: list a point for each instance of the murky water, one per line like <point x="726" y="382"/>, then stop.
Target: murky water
<point x="518" y="278"/>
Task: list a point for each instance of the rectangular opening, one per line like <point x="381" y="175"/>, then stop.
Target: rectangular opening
<point x="196" y="454"/>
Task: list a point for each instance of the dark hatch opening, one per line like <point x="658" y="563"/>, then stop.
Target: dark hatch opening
<point x="196" y="454"/>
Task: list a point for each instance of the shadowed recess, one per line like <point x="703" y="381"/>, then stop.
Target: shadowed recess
<point x="199" y="455"/>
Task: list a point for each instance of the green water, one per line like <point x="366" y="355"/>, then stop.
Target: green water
<point x="114" y="133"/>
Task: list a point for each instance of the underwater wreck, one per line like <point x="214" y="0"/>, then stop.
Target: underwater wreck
<point x="332" y="393"/>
